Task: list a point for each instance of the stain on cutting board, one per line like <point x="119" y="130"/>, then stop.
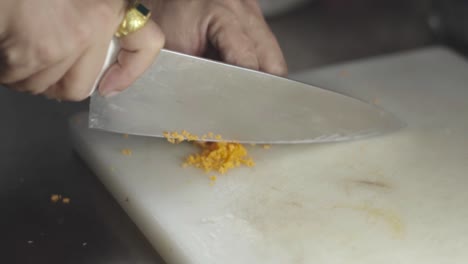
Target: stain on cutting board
<point x="372" y="183"/>
<point x="389" y="217"/>
<point x="377" y="186"/>
<point x="288" y="216"/>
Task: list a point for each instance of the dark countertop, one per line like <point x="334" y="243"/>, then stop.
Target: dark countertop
<point x="37" y="161"/>
<point x="37" y="158"/>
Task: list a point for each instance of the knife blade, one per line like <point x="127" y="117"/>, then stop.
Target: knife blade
<point x="181" y="92"/>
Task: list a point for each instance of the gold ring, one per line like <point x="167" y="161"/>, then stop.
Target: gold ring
<point x="135" y="18"/>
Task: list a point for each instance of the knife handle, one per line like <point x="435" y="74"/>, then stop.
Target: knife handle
<point x="111" y="57"/>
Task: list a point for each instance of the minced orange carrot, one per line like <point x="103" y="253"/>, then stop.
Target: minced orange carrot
<point x="66" y="200"/>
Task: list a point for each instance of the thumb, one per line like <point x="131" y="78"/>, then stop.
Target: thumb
<point x="137" y="52"/>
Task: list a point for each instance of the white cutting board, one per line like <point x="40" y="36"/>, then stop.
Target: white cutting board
<point x="399" y="198"/>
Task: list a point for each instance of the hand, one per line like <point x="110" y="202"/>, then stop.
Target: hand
<point x="57" y="48"/>
<point x="235" y="29"/>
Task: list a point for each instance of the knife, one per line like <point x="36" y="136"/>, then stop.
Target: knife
<point x="181" y="92"/>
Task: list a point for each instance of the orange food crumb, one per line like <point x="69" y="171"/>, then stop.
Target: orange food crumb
<point x="55" y="198"/>
<point x="126" y="152"/>
<point x="77" y="120"/>
<point x="344" y="73"/>
<point x="213" y="156"/>
<point x="192" y="138"/>
<point x="267" y="146"/>
<point x="176" y="138"/>
<point x="376" y="101"/>
<point x="213" y="178"/>
<point x="125" y="135"/>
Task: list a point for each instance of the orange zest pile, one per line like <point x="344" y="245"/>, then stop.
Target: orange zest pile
<point x="219" y="156"/>
<point x="213" y="156"/>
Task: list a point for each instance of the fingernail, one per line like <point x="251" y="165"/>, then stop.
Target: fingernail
<point x="106" y="90"/>
<point x="110" y="94"/>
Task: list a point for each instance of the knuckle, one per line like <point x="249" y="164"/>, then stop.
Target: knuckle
<point x="72" y="95"/>
<point x="36" y="90"/>
<point x="82" y="35"/>
<point x="232" y="5"/>
<point x="104" y="12"/>
<point x="253" y="5"/>
<point x="156" y="40"/>
<point x="48" y="53"/>
<point x="7" y="59"/>
<point x="10" y="66"/>
<point x="223" y="11"/>
<point x="68" y="91"/>
<point x="32" y="85"/>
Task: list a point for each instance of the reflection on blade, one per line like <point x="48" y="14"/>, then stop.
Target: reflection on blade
<point x="181" y="92"/>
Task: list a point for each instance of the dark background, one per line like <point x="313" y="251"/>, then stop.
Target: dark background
<point x="37" y="159"/>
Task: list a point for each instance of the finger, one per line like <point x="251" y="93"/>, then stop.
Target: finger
<point x="76" y="84"/>
<point x="41" y="81"/>
<point x="270" y="56"/>
<point x="138" y="51"/>
<point x="22" y="58"/>
<point x="17" y="63"/>
<point x="78" y="81"/>
<point x="234" y="45"/>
